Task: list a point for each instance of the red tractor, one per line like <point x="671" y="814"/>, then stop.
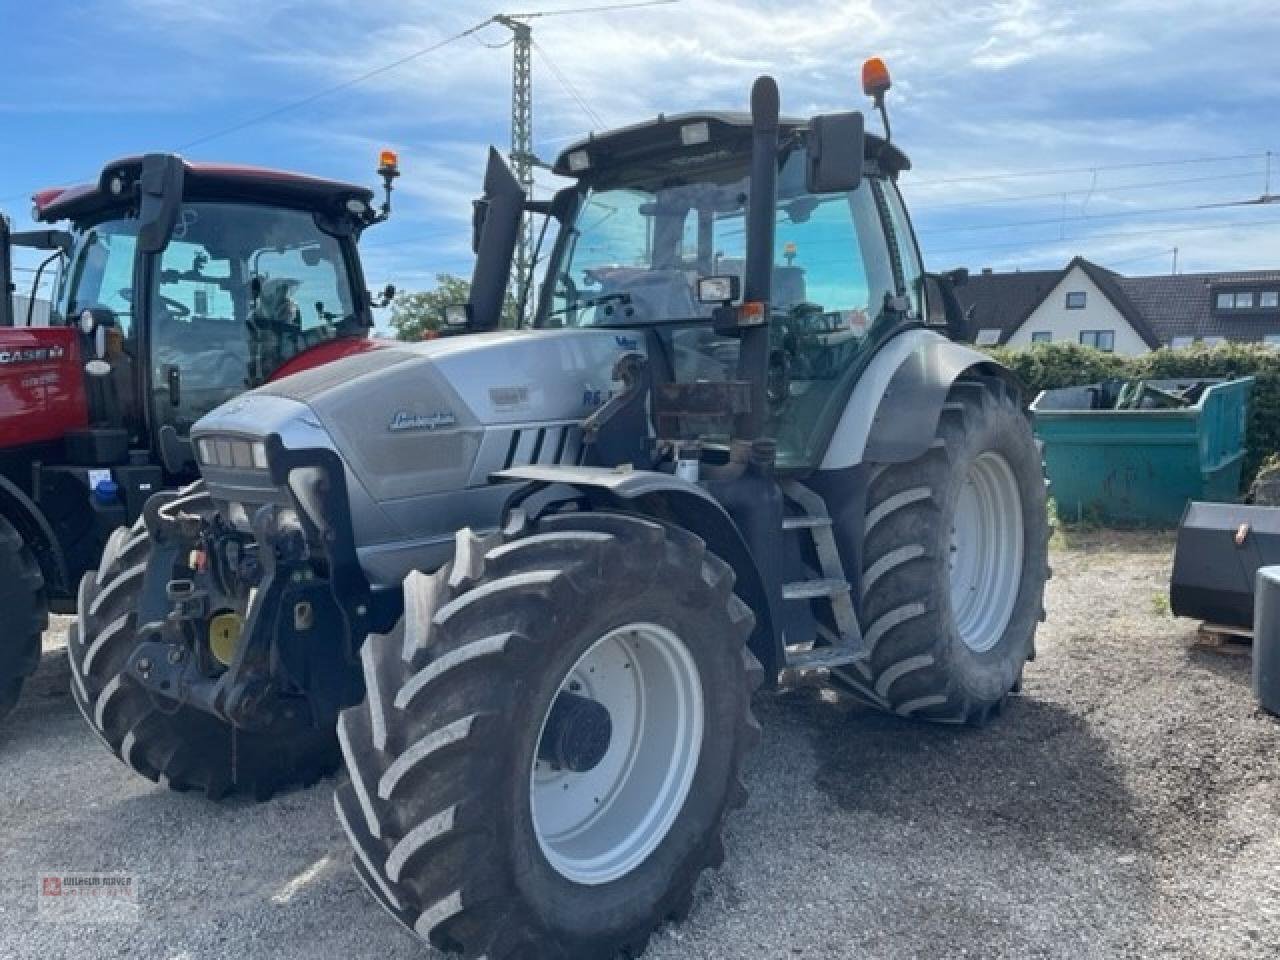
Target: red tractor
<point x="180" y="285"/>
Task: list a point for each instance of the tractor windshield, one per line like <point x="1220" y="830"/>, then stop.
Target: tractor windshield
<point x="634" y="256"/>
<point x="239" y="290"/>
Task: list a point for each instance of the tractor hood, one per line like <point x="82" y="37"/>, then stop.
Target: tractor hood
<point x="421" y="426"/>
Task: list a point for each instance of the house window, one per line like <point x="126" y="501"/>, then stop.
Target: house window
<point x="1269" y="299"/>
<point x="1042" y="336"/>
<point x="1225" y="301"/>
<point x="1104" y="340"/>
<point x="988" y="337"/>
<point x="1244" y="301"/>
<point x="1075" y="300"/>
<point x="1181" y="343"/>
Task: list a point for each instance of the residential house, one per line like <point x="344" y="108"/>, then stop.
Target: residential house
<point x="1088" y="304"/>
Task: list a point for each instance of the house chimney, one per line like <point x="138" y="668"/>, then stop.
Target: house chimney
<point x="987" y="271"/>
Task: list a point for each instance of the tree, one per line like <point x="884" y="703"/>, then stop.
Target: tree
<point x="416" y="315"/>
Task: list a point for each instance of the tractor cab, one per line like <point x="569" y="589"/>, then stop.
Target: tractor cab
<point x="658" y="246"/>
<point x="189" y="283"/>
<point x="755" y="295"/>
<point x="179" y="286"/>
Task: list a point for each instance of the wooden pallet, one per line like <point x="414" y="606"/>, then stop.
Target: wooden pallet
<point x="1236" y="641"/>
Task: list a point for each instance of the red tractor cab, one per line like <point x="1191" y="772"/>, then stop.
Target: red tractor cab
<point x="180" y="285"/>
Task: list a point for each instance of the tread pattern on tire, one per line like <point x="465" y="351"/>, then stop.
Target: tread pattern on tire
<point x="27" y="608"/>
<point x="419" y="804"/>
<point x="181" y="747"/>
<point x="902" y="608"/>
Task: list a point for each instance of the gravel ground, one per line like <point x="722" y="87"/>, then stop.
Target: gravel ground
<point x="1125" y="805"/>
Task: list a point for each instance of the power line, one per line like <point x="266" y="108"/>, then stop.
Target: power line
<point x="600" y="9"/>
<point x="569" y="87"/>
<point x="335" y="88"/>
<point x="314" y="96"/>
<point x="1145" y="256"/>
<point x="1050" y="221"/>
<point x="1033" y="244"/>
<point x="1079" y="191"/>
<point x="1061" y="171"/>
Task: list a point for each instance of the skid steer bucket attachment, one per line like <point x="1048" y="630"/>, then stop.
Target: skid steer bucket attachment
<point x="1220" y="548"/>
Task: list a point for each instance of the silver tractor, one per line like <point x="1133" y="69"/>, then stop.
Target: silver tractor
<point x="532" y="577"/>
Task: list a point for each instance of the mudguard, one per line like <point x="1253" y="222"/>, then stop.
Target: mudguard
<point x="892" y="415"/>
<point x="664" y="497"/>
<point x="31" y="523"/>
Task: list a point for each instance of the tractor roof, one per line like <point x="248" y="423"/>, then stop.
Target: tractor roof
<point x="656" y="138"/>
<point x="201" y="181"/>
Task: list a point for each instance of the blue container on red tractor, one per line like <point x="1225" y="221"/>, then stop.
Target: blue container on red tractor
<point x="1140" y="467"/>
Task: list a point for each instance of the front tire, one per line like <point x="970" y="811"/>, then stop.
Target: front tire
<point x="472" y="822"/>
<point x="954" y="562"/>
<point x="185" y="748"/>
<point x="26" y="610"/>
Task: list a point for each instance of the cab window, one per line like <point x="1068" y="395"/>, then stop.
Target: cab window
<point x="100" y="273"/>
<point x="831" y="281"/>
<point x="239" y="290"/>
<point x="912" y="269"/>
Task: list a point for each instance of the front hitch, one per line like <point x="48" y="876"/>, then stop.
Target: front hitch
<point x="296" y="638"/>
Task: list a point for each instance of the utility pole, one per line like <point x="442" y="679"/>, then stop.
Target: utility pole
<point x="521" y="134"/>
<point x="1175" y="260"/>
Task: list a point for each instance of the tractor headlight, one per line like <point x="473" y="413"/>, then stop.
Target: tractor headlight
<point x="695" y="134"/>
<point x="232" y="452"/>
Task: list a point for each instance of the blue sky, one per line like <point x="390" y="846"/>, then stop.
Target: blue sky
<point x="1127" y="113"/>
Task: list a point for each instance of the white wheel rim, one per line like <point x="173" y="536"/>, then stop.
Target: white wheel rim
<point x="597" y="826"/>
<point x="986" y="552"/>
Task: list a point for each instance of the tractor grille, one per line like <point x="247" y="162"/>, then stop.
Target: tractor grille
<point x="548" y="445"/>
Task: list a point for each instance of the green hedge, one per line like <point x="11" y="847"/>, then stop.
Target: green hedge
<point x="1051" y="365"/>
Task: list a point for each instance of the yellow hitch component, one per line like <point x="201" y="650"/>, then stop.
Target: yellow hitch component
<point x="224" y="636"/>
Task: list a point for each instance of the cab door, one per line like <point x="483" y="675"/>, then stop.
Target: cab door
<point x="835" y="297"/>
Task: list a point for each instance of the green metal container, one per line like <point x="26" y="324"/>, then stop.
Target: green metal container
<point x="1140" y="467"/>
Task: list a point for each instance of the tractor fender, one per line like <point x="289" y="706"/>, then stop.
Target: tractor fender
<point x="892" y="415"/>
<point x="31" y="523"/>
<point x="669" y="499"/>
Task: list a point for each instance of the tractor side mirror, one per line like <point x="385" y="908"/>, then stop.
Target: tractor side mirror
<point x="160" y="200"/>
<point x="836" y="143"/>
<point x="384" y="298"/>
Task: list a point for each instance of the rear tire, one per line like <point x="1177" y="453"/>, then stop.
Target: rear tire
<point x="26" y="610"/>
<point x="451" y="819"/>
<point x="185" y="748"/>
<point x="954" y="561"/>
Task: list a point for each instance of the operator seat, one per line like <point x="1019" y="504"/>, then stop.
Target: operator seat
<point x="275" y="327"/>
